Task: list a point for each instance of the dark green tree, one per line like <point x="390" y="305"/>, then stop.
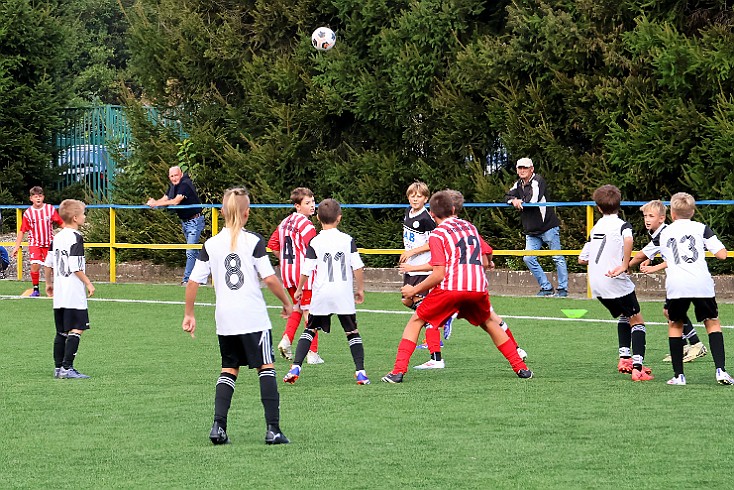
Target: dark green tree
<point x="32" y="93"/>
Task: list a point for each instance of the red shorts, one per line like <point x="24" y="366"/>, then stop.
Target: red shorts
<point x="37" y="255"/>
<point x="305" y="299"/>
<point x="440" y="304"/>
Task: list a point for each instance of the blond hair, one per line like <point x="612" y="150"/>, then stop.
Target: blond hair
<point x="70" y="208"/>
<point x="235" y="203"/>
<point x="418" y="188"/>
<point x="656" y="206"/>
<point x="683" y="205"/>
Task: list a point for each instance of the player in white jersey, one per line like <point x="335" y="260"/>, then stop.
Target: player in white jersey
<point x="236" y="258"/>
<point x="683" y="246"/>
<point x="607" y="254"/>
<point x="333" y="256"/>
<point x="68" y="284"/>
<point x="417" y="226"/>
<point x="654" y="217"/>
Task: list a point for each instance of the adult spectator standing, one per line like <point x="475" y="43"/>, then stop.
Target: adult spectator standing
<point x="540" y="224"/>
<point x="182" y="192"/>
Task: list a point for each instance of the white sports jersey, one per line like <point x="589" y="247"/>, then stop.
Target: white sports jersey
<point x="683" y="245"/>
<point x="334" y="256"/>
<point x="66" y="256"/>
<point x="650" y="250"/>
<point x="416" y="228"/>
<point x="605" y="251"/>
<point x="240" y="306"/>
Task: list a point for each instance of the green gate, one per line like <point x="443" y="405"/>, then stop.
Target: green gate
<point x="87" y="146"/>
<point x="91" y="140"/>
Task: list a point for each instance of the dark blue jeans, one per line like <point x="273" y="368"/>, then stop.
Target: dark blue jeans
<point x="192" y="232"/>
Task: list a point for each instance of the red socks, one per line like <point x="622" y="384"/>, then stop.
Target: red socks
<point x="405" y="350"/>
<point x="35" y="277"/>
<point x="292" y="325"/>
<point x="509" y="350"/>
<point x="433" y="339"/>
<point x="509" y="334"/>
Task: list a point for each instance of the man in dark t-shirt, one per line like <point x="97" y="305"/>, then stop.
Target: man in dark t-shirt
<point x="182" y="192"/>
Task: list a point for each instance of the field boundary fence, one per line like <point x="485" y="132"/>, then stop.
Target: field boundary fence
<point x="213" y="212"/>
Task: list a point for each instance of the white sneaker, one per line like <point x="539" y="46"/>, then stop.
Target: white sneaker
<point x="314" y="358"/>
<point x="431" y="364"/>
<point x="284" y="347"/>
<point x="723" y="378"/>
<point x="694" y="352"/>
<point x="679" y="380"/>
<point x="521" y="352"/>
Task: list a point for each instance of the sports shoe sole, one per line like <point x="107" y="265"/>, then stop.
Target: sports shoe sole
<point x="701" y="353"/>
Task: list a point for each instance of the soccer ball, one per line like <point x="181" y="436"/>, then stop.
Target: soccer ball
<point x="323" y="39"/>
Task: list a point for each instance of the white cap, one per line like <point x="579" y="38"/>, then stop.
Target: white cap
<point x="524" y="163"/>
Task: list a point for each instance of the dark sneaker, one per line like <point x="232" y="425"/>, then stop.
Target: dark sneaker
<point x="393" y="378"/>
<point x="218" y="434"/>
<point x="36" y="293"/>
<point x="561" y="293"/>
<point x="71" y="373"/>
<point x="274" y="436"/>
<point x="525" y="374"/>
<point x="545" y="292"/>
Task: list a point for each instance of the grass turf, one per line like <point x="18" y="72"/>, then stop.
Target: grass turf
<point x="142" y="420"/>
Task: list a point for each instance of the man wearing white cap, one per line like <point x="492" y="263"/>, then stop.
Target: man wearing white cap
<point x="541" y="226"/>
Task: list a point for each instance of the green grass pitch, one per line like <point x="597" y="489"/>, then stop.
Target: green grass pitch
<point x="143" y="419"/>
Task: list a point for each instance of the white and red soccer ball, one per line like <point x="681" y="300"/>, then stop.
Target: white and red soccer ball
<point x="323" y="39"/>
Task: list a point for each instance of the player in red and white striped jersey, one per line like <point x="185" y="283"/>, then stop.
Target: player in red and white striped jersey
<point x="290" y="241"/>
<point x="38" y="221"/>
<point x="458" y="284"/>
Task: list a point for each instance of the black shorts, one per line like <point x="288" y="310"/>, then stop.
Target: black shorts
<point x="68" y="319"/>
<point x="625" y="305"/>
<point x="705" y="309"/>
<point x="323" y="322"/>
<point x="409" y="280"/>
<point x="248" y="349"/>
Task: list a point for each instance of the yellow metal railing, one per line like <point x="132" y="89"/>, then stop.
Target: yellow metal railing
<point x="113" y="245"/>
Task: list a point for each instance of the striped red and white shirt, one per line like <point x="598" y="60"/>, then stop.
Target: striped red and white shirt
<point x="290" y="241"/>
<point x="457" y="245"/>
<point x="39" y="225"/>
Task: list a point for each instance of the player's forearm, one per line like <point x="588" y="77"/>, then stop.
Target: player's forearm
<point x="48" y="273"/>
<point x="638" y="259"/>
<point x="192" y="287"/>
<point x="431" y="281"/>
<point x="359" y="279"/>
<point x="628" y="244"/>
<point x="83" y="277"/>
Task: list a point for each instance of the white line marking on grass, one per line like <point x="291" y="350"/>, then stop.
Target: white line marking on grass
<point x="359" y="310"/>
